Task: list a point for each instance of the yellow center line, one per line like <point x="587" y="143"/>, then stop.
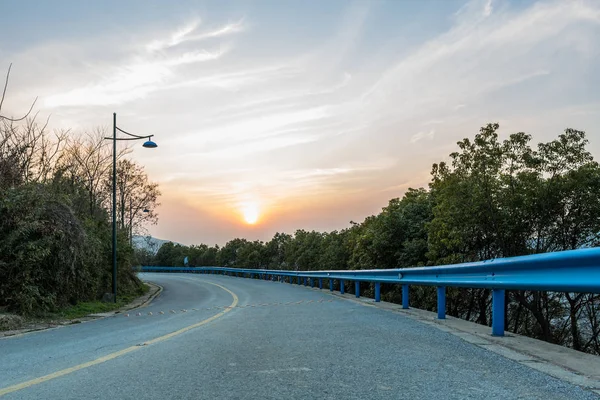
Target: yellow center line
<point x="66" y="371"/>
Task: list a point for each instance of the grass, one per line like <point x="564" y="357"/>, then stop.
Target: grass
<point x="94" y="307"/>
<point x="82" y="309"/>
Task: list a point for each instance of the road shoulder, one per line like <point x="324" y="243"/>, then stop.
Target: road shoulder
<point x="566" y="364"/>
<point x="34" y="326"/>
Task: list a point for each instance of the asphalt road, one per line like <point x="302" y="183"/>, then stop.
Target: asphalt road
<point x="276" y="341"/>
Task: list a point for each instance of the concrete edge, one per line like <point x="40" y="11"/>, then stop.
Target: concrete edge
<point x="154" y="292"/>
<point x="572" y="366"/>
<point x="140" y="302"/>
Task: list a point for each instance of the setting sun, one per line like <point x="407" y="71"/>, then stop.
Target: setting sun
<point x="250" y="213"/>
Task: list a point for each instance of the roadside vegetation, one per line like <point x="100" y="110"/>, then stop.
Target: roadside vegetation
<point x="493" y="198"/>
<point x="84" y="308"/>
<point x="55" y="226"/>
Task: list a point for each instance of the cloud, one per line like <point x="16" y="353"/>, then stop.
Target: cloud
<point x="128" y="82"/>
<point x="422" y="135"/>
<point x="476" y="58"/>
<point x="143" y="73"/>
<point x="233" y="27"/>
<point x="176" y="38"/>
<point x="194" y="57"/>
<point x="487" y="10"/>
<point x="255" y="147"/>
<point x="188" y="33"/>
<point x="235" y="80"/>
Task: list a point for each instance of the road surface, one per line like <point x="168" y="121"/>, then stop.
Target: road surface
<point x="219" y="337"/>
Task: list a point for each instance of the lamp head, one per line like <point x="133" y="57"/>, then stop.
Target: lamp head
<point x="149" y="144"/>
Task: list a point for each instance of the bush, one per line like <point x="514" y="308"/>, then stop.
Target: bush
<point x="50" y="256"/>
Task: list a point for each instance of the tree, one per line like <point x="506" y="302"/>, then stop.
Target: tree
<point x="170" y="255"/>
<point x="303" y="251"/>
<point x="276" y="249"/>
<point x="137" y="198"/>
<point x="228" y="254"/>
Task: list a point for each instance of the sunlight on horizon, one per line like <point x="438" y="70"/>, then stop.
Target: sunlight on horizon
<point x="251" y="213"/>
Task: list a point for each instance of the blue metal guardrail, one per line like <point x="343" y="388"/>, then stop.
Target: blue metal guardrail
<point x="565" y="271"/>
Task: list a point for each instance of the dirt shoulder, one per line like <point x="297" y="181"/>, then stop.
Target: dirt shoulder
<point x="12" y="325"/>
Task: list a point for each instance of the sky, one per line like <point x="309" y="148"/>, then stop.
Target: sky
<point x="277" y="115"/>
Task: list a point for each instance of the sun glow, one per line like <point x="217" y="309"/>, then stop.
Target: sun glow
<point x="250" y="211"/>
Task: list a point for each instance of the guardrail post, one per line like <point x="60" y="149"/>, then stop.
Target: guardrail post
<point x="497" y="312"/>
<point x="312" y="282"/>
<point x="291" y="280"/>
<point x="357" y="289"/>
<point x="405" y="297"/>
<point x="320" y="283"/>
<point x="331" y="285"/>
<point x="342" y="286"/>
<point x="377" y="292"/>
<point x="441" y="302"/>
<point x="305" y="284"/>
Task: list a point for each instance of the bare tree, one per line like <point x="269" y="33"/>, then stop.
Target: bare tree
<point x="27" y="153"/>
<point x="89" y="158"/>
<point x="137" y="197"/>
<point x="5" y="118"/>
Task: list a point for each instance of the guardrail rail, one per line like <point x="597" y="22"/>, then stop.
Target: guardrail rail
<point x="565" y="271"/>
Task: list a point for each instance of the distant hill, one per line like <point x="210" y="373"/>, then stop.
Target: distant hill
<point x="149" y="243"/>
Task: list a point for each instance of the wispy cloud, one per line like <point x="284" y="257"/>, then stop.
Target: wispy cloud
<point x="189" y="33"/>
<point x="476" y="58"/>
<point x="422" y="135"/>
<point x="129" y="82"/>
<point x="176" y="38"/>
<point x="232" y="27"/>
<point x="487" y="10"/>
<point x="145" y="73"/>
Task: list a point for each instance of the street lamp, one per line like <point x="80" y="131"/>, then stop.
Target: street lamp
<point x="149" y="144"/>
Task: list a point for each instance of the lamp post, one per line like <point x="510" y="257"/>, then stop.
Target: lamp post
<point x="147" y="144"/>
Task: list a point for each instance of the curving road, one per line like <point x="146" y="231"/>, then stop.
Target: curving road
<point x="219" y="337"/>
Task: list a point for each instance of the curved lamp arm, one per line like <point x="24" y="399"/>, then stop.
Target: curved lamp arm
<point x="131" y="134"/>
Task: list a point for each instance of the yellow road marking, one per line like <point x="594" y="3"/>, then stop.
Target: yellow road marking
<point x="66" y="371"/>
